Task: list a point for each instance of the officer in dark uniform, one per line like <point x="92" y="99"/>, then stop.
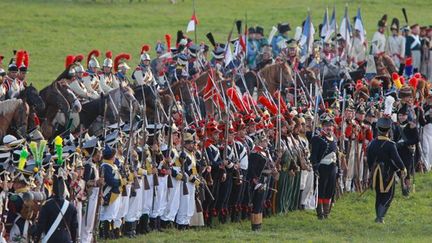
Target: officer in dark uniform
<point x="405" y="135"/>
<point x="258" y="175"/>
<point x="384" y="162"/>
<point x="325" y="164"/>
<point x="58" y="219"/>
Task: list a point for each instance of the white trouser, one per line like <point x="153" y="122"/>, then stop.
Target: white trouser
<point x="187" y="206"/>
<point x="89" y="217"/>
<point x="78" y="206"/>
<point x="306" y="184"/>
<point x="123" y="207"/>
<point x="110" y="212"/>
<point x="173" y="202"/>
<point x="160" y="199"/>
<point x="354" y="164"/>
<point x="148" y="197"/>
<point x="427" y="145"/>
<point x="135" y="204"/>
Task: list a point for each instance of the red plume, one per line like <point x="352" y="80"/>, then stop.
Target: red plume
<point x="235" y="98"/>
<point x="413" y="82"/>
<point x="402" y="80"/>
<point x="118" y="58"/>
<point x="95" y="53"/>
<point x="395" y="76"/>
<point x="19" y="58"/>
<point x="26" y="59"/>
<point x="408" y="61"/>
<point x="168" y="41"/>
<point x="145" y="48"/>
<point x="79" y="58"/>
<point x="268" y="104"/>
<point x="359" y="85"/>
<point x="108" y="54"/>
<point x="417" y="75"/>
<point x="69" y="61"/>
<point x="284" y="106"/>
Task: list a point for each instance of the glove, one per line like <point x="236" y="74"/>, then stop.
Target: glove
<point x="123" y="181"/>
<point x="197" y="182"/>
<point x="179" y="176"/>
<point x="259" y="186"/>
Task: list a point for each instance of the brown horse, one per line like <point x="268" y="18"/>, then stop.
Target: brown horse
<point x="13" y="117"/>
<point x="385" y="66"/>
<point x="270" y="76"/>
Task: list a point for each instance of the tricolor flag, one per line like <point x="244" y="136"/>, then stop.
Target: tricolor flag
<point x="325" y="25"/>
<point x="307" y="39"/>
<point x="332" y="26"/>
<point x="345" y="29"/>
<point x="192" y="23"/>
<point x="358" y="25"/>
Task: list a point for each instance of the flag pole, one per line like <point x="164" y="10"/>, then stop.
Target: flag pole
<point x="196" y="25"/>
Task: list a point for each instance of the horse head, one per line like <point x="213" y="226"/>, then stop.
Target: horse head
<point x="20" y="118"/>
<point x="70" y="97"/>
<point x="120" y="101"/>
<point x="32" y="97"/>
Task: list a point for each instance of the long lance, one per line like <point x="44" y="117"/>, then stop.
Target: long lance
<point x="182" y="168"/>
<point x="266" y="93"/>
<point x="279" y="123"/>
<point x="304" y="87"/>
<point x="198" y="110"/>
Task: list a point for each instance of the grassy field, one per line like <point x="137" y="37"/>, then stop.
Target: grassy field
<point x="52" y="29"/>
<point x="351" y="220"/>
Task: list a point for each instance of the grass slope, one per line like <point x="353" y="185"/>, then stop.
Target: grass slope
<point x="52" y="29"/>
<point x="351" y="220"/>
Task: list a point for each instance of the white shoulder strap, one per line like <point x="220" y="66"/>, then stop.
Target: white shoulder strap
<point x="56" y="222"/>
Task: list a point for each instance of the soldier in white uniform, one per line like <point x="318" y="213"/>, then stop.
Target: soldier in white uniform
<point x="90" y="78"/>
<point x="143" y="74"/>
<point x="11" y="83"/>
<point x="77" y="85"/>
<point x="358" y="49"/>
<point x="2" y="87"/>
<point x="379" y="39"/>
<point x="121" y="68"/>
<point x="107" y="80"/>
<point x="395" y="46"/>
<point x="92" y="156"/>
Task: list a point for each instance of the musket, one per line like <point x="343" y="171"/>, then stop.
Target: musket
<point x="98" y="207"/>
<point x="183" y="162"/>
<point x="144" y="131"/>
<point x="170" y="124"/>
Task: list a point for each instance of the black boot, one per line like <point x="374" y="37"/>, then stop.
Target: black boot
<point x="106" y="230"/>
<point x="116" y="233"/>
<point x="319" y="210"/>
<point x="144" y="220"/>
<point x="326" y="210"/>
<point x="158" y="224"/>
<point x="152" y="224"/>
<point x="127" y="228"/>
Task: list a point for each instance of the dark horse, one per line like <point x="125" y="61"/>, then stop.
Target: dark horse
<point x="30" y="95"/>
<point x="59" y="100"/>
<point x="117" y="105"/>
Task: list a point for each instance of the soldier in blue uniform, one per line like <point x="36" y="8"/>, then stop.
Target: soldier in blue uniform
<point x="279" y="41"/>
<point x="325" y="164"/>
<point x="58" y="221"/>
<point x="384" y="162"/>
<point x="111" y="192"/>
